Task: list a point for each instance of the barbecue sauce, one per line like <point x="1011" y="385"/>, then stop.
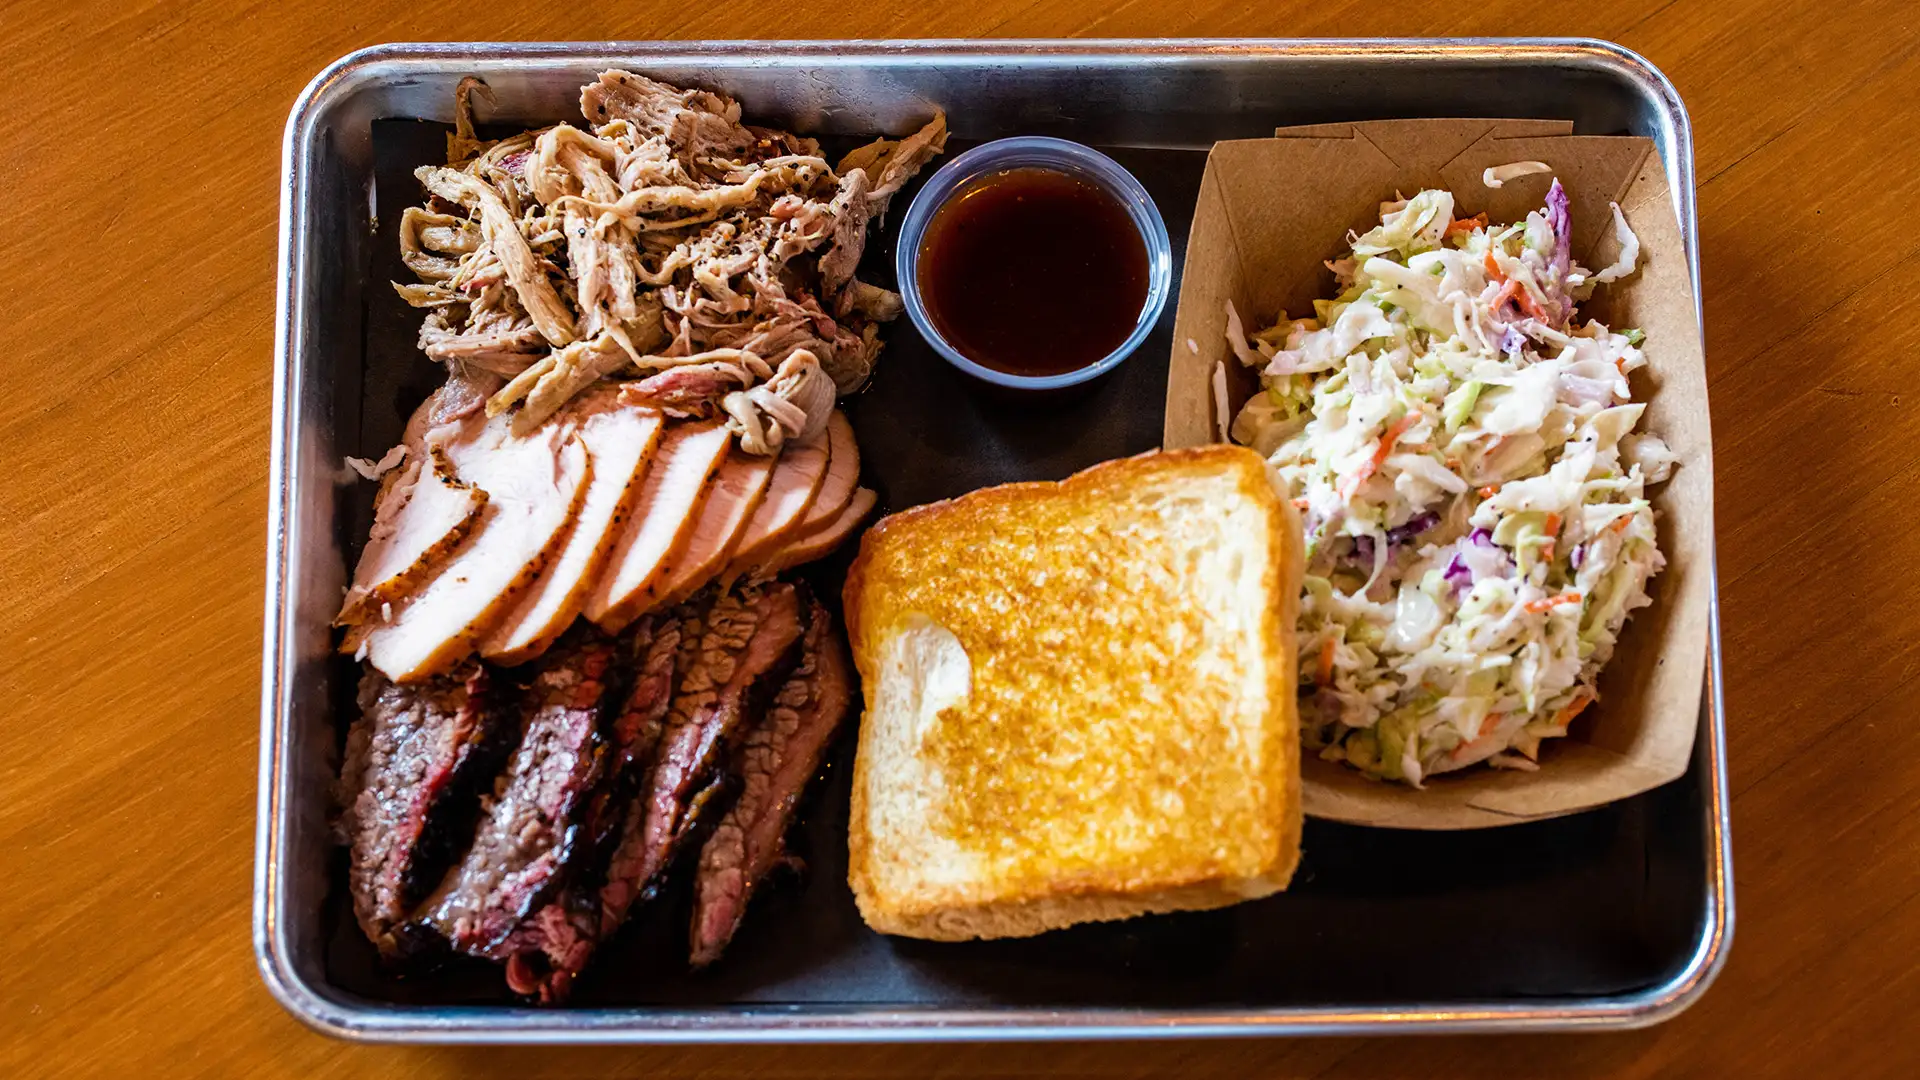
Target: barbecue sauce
<point x="1033" y="272"/>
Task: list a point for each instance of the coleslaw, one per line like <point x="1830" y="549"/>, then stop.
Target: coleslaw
<point x="1463" y="452"/>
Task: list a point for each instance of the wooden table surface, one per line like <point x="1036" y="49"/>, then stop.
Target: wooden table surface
<point x="140" y="159"/>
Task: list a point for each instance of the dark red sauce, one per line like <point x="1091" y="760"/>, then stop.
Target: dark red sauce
<point x="1033" y="272"/>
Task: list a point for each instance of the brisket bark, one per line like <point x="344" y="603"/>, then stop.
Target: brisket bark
<point x="530" y="832"/>
<point x="650" y="649"/>
<point x="747" y="643"/>
<point x="781" y="752"/>
<point x="415" y="762"/>
<point x="743" y="641"/>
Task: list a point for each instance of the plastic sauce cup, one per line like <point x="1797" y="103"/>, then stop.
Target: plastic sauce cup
<point x="1035" y="152"/>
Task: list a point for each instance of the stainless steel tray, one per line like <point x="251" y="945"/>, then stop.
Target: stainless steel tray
<point x="1668" y="852"/>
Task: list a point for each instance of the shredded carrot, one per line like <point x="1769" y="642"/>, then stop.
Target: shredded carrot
<point x="1528" y="305"/>
<point x="1510" y="289"/>
<point x="1505" y="294"/>
<point x="1460" y="225"/>
<point x="1392" y="436"/>
<point x="1553" y="536"/>
<point x="1620" y="523"/>
<point x="1453" y="463"/>
<point x="1574" y="708"/>
<point x="1489" y="491"/>
<point x="1300" y="503"/>
<point x="1537" y="606"/>
<point x="1387" y="441"/>
<point x="1326" y="663"/>
<point x="1480" y="738"/>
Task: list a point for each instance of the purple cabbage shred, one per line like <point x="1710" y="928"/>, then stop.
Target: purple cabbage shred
<point x="1363" y="551"/>
<point x="1403" y="534"/>
<point x="1512" y="341"/>
<point x="1561" y="220"/>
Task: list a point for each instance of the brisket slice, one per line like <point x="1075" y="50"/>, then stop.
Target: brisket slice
<point x="748" y="642"/>
<point x="529" y="834"/>
<point x="649" y="648"/>
<point x="741" y="642"/>
<point x="409" y="789"/>
<point x="781" y="752"/>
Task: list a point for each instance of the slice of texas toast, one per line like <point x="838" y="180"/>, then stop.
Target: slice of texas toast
<point x="1079" y="700"/>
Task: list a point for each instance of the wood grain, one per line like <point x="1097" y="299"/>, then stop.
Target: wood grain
<point x="140" y="159"/>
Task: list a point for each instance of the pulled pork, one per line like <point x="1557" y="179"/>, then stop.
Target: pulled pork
<point x="667" y="242"/>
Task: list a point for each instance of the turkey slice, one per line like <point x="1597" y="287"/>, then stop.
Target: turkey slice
<point x="411" y="539"/>
<point x="678" y="477"/>
<point x="797" y="477"/>
<point x="843" y="474"/>
<point x="819" y="544"/>
<point x="534" y="483"/>
<point x="419" y="521"/>
<point x="723" y="519"/>
<point x="619" y="439"/>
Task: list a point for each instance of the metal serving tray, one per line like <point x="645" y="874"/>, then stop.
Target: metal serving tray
<point x="1617" y="917"/>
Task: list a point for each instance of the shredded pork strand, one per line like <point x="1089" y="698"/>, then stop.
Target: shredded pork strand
<point x="665" y="242"/>
<point x="793" y="404"/>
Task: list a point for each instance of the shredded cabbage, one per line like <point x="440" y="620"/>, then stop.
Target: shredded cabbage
<point x="1496" y="175"/>
<point x="1629" y="249"/>
<point x="1474" y="493"/>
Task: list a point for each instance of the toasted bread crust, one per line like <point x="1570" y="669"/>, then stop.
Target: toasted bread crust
<point x="1089" y="773"/>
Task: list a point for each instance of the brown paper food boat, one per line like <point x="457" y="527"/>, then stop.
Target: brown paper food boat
<point x="1270" y="210"/>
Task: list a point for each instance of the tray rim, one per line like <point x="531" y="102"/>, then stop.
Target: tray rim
<point x="816" y="1024"/>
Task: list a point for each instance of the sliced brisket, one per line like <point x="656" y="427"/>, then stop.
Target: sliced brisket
<point x="730" y="646"/>
<point x="568" y="924"/>
<point x="416" y="759"/>
<point x="649" y="649"/>
<point x="781" y="752"/>
<point x="747" y="642"/>
<point x="530" y="831"/>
